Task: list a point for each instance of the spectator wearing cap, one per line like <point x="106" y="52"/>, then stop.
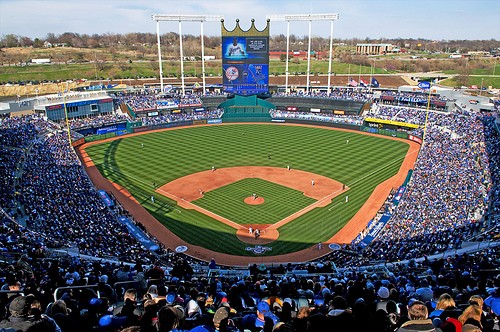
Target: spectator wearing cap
<point x="419" y="321"/>
<point x="493" y="301"/>
<point x="362" y="315"/>
<point x="383" y="295"/>
<point x="21" y="318"/>
<point x="24" y="267"/>
<point x="111" y="323"/>
<point x="252" y="321"/>
<point x="105" y="288"/>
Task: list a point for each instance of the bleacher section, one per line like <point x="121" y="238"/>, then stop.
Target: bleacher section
<point x="246" y="109"/>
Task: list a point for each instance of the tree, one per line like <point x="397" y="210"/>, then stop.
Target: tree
<point x="25" y="42"/>
<point x="10" y="40"/>
<point x="37" y="43"/>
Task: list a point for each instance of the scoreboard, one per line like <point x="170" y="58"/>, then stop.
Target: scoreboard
<point x="245" y="62"/>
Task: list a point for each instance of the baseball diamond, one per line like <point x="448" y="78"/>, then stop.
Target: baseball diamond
<point x="205" y="209"/>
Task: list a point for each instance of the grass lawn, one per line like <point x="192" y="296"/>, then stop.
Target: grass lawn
<point x="362" y="164"/>
<point x="280" y="201"/>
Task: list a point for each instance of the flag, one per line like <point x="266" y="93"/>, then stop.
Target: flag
<point x="363" y="83"/>
<point x="375" y="83"/>
<point x="352" y="82"/>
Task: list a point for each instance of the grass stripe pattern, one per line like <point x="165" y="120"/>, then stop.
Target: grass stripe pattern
<point x="361" y="164"/>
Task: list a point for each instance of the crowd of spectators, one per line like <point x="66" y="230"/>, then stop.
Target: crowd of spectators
<point x="455" y="180"/>
<point x="410" y="114"/>
<point x="16" y="135"/>
<point x="61" y="203"/>
<point x="415" y="98"/>
<point x="336" y="93"/>
<point x="98" y="121"/>
<point x="176" y="117"/>
<point x="151" y="298"/>
<point x="150" y="100"/>
<point x="447" y="200"/>
<point x="323" y="117"/>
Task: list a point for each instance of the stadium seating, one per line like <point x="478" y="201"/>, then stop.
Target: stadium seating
<point x="48" y="203"/>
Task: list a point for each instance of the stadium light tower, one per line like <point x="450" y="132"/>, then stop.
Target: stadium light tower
<point x="306" y="17"/>
<point x="186" y="18"/>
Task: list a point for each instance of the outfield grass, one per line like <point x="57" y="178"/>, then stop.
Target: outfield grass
<point x="362" y="164"/>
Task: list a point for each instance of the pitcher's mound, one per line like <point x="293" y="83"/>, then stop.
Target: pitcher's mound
<point x="254" y="201"/>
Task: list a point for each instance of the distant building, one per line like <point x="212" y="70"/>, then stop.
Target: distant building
<point x="40" y="61"/>
<point x="375" y="49"/>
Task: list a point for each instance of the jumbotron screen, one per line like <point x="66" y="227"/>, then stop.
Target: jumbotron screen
<point x="245" y="64"/>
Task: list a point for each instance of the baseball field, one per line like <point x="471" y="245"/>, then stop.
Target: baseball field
<point x="299" y="185"/>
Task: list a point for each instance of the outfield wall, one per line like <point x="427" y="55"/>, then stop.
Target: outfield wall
<point x="139" y="128"/>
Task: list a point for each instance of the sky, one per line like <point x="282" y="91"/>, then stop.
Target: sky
<point x="374" y="19"/>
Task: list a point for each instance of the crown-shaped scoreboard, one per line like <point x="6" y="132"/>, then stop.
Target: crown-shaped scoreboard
<point x="245" y="59"/>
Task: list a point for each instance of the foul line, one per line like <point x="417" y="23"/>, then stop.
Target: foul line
<point x="384" y="166"/>
<point x="126" y="176"/>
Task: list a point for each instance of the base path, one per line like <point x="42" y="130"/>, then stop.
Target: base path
<point x="192" y="187"/>
<point x="170" y="240"/>
<point x="186" y="189"/>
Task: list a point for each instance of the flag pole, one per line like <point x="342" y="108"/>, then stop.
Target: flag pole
<point x="359" y="75"/>
<point x="371" y="75"/>
<point x="349" y="74"/>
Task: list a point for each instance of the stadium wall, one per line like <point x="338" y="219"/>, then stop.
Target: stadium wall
<point x="326" y="105"/>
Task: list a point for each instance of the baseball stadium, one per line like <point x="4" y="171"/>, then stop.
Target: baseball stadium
<point x="251" y="204"/>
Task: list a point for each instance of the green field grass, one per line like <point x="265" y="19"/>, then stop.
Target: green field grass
<point x="362" y="164"/>
<point x="280" y="202"/>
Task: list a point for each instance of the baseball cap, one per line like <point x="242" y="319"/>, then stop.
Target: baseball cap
<point x="383" y="292"/>
<point x="111" y="321"/>
<point x="263" y="307"/>
<point x="494" y="303"/>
